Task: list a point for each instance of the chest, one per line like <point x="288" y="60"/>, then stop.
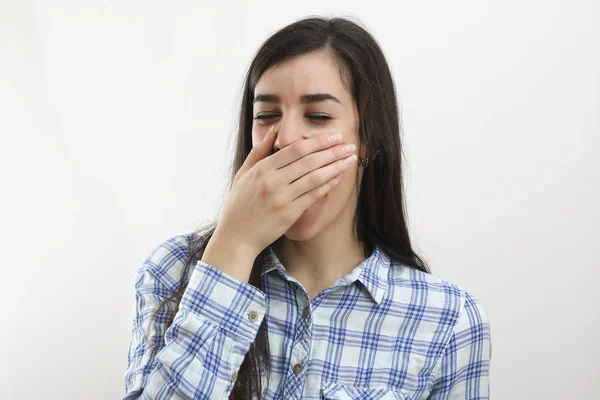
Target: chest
<point x="344" y="346"/>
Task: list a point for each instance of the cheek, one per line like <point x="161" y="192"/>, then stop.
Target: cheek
<point x="349" y="133"/>
<point x="343" y="190"/>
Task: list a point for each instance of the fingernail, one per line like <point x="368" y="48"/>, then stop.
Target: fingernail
<point x="335" y="138"/>
<point x="348" y="148"/>
<point x="350" y="160"/>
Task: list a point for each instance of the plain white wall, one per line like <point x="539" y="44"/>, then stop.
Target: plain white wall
<point x="117" y="120"/>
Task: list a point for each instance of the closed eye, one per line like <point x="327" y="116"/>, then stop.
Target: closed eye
<point x="319" y="117"/>
<point x="313" y="117"/>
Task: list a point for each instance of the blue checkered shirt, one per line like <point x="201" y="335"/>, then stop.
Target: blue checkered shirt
<point x="383" y="331"/>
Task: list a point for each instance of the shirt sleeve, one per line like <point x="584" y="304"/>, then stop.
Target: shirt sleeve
<point x="199" y="354"/>
<point x="464" y="368"/>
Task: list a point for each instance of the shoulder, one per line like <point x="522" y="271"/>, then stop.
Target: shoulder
<point x="452" y="304"/>
<point x="167" y="261"/>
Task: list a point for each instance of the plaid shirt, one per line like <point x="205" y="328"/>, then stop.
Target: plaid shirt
<point x="383" y="331"/>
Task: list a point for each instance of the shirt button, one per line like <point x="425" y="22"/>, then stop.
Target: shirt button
<point x="305" y="311"/>
<point x="252" y="316"/>
<point x="297" y="368"/>
<point x="234" y="376"/>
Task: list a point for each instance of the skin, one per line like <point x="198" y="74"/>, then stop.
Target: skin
<point x="322" y="245"/>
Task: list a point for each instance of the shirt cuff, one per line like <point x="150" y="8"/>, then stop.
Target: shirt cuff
<point x="235" y="306"/>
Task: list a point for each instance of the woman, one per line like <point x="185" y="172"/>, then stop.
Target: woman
<point x="307" y="286"/>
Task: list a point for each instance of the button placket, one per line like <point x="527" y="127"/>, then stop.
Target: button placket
<point x="300" y="345"/>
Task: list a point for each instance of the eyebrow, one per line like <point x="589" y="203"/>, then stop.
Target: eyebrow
<point x="305" y="99"/>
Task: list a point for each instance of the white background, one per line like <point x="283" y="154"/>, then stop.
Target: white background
<point x="117" y="121"/>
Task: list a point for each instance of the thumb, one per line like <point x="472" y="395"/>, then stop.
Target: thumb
<point x="261" y="150"/>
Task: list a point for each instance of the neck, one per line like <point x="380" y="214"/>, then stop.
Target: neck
<point x="320" y="261"/>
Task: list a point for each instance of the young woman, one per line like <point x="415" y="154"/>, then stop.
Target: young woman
<point x="307" y="287"/>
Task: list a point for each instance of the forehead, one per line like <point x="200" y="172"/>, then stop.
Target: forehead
<point x="315" y="72"/>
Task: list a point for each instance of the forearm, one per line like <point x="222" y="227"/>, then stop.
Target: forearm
<point x="216" y="323"/>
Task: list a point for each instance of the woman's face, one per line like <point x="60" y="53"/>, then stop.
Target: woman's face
<point x="288" y="82"/>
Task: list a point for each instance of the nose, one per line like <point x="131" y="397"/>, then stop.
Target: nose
<point x="288" y="131"/>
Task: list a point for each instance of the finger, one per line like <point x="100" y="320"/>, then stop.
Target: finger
<point x="302" y="148"/>
<point x="309" y="198"/>
<point x="261" y="150"/>
<point x="314" y="161"/>
<point x="306" y="184"/>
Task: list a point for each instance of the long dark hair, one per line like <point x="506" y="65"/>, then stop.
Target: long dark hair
<point x="380" y="217"/>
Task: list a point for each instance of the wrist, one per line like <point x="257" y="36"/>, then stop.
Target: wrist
<point x="230" y="255"/>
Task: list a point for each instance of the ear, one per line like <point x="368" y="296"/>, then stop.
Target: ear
<point x="363" y="150"/>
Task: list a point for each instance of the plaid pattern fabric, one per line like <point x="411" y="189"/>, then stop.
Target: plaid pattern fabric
<point x="384" y="331"/>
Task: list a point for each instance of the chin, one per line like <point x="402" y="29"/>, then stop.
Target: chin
<point x="300" y="233"/>
<point x="310" y="223"/>
<point x="313" y="221"/>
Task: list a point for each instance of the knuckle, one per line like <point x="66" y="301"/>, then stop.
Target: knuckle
<point x="277" y="202"/>
<point x="309" y="163"/>
<point x="261" y="181"/>
<point x="267" y="187"/>
<point x="335" y="151"/>
<point x="318" y="194"/>
<point x="314" y="179"/>
<point x="260" y="185"/>
<point x="258" y="170"/>
<point x="297" y="150"/>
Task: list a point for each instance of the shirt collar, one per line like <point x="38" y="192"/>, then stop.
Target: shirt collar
<point x="372" y="272"/>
